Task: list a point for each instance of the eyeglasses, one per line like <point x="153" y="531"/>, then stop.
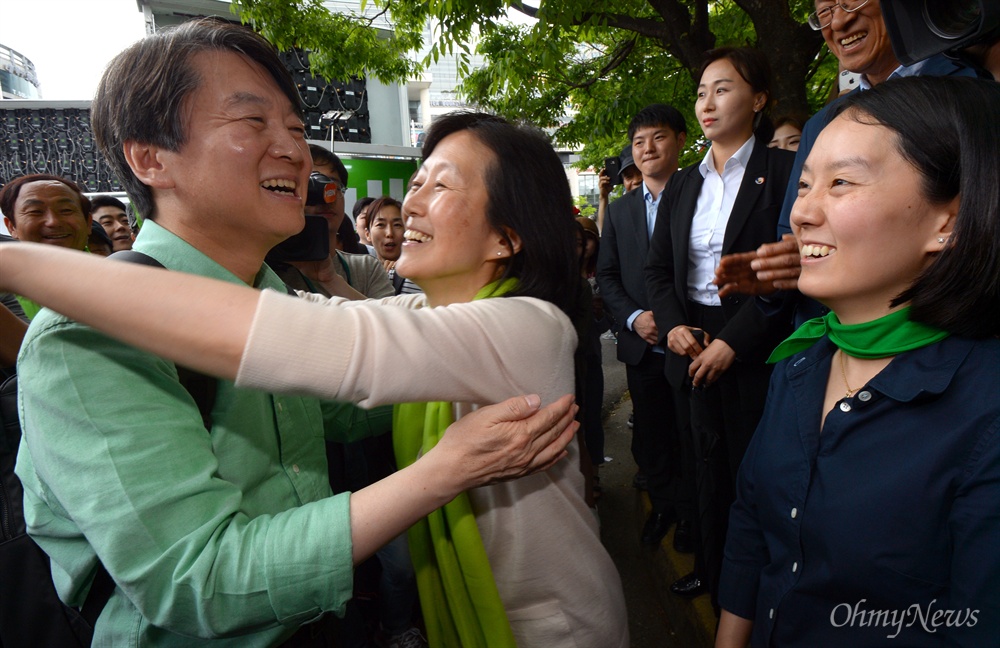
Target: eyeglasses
<point x="822" y="18"/>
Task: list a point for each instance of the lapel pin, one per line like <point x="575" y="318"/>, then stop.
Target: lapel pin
<point x="760" y="180"/>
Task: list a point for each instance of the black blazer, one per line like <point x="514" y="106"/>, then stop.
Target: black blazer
<point x="753" y="222"/>
<point x="621" y="264"/>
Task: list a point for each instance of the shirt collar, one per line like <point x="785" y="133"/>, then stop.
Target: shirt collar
<point x="937" y="65"/>
<point x="647" y="195"/>
<point x="174" y="253"/>
<point x="740" y="157"/>
<point x="927" y="370"/>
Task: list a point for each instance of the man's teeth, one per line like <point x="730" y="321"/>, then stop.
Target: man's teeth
<point x="850" y="39"/>
<point x="279" y="184"/>
<point x="816" y="250"/>
<point x="413" y="235"/>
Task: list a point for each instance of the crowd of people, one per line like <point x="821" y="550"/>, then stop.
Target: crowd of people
<point x="808" y="318"/>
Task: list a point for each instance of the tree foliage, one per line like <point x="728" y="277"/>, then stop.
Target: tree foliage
<point x="581" y="70"/>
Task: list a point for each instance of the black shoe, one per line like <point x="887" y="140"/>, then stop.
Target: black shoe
<point x="689" y="586"/>
<point x="656" y="528"/>
<point x="682" y="537"/>
<point x="639" y="482"/>
<point x="631" y="422"/>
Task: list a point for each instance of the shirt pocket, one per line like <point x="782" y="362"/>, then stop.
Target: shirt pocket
<point x="541" y="625"/>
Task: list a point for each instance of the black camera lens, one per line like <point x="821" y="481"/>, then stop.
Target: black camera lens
<point x="953" y="20"/>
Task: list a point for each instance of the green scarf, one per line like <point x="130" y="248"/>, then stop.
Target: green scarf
<point x="886" y="336"/>
<point x="458" y="594"/>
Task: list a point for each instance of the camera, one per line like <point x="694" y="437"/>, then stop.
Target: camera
<point x="311" y="244"/>
<point x="322" y="189"/>
<point x="919" y="29"/>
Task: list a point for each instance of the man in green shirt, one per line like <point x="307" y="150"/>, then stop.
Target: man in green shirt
<point x="226" y="536"/>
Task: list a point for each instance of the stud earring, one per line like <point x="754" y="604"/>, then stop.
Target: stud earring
<point x="941" y="240"/>
<point x="501" y="253"/>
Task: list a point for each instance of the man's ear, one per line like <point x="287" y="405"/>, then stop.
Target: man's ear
<point x="681" y="140"/>
<point x="11" y="227"/>
<point x="146" y="162"/>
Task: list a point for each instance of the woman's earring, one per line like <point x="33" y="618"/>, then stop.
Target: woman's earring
<point x="941" y="240"/>
<point x="501" y="252"/>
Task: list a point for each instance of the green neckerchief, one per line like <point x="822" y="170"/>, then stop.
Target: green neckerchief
<point x="29" y="307"/>
<point x="886" y="336"/>
<point x="458" y="594"/>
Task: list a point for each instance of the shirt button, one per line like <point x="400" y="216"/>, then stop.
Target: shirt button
<point x="795" y="567"/>
<point x="771" y="613"/>
<point x="795" y="512"/>
<point x="295" y="468"/>
<point x="845" y="407"/>
<point x="865" y="396"/>
<point x="280" y="407"/>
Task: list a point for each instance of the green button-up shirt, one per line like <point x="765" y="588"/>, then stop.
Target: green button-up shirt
<point x="205" y="534"/>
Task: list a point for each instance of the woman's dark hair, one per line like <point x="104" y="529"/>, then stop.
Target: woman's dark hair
<point x="942" y="129"/>
<point x="529" y="194"/>
<point x="377" y="205"/>
<point x="10" y="192"/>
<point x="752" y="65"/>
<point x="142" y="93"/>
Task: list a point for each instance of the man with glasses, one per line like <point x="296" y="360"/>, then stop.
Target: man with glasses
<point x="354" y="276"/>
<point x="856" y="33"/>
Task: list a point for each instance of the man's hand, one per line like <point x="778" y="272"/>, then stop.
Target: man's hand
<point x="388" y="264"/>
<point x="508" y="440"/>
<point x="645" y="326"/>
<point x="771" y="267"/>
<point x="682" y="341"/>
<point x="604" y="185"/>
<point x="711" y="363"/>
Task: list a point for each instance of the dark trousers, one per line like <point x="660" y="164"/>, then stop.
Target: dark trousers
<point x="655" y="435"/>
<point x="723" y="419"/>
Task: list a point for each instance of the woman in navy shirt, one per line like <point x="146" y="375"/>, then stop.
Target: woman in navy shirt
<point x="868" y="508"/>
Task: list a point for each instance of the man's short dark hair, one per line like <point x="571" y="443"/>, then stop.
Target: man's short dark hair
<point x="106" y="201"/>
<point x="11" y="190"/>
<point x="360" y="205"/>
<point x="657" y="115"/>
<point x="940" y="130"/>
<point x="326" y="157"/>
<point x="141" y="95"/>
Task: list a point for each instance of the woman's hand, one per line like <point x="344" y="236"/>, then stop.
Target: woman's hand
<point x="711" y="363"/>
<point x="388" y="265"/>
<point x="508" y="440"/>
<point x="681" y="341"/>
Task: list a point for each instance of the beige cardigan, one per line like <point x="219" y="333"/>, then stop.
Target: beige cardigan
<point x="558" y="583"/>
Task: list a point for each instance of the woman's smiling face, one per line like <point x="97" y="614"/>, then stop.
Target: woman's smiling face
<point x="864" y="226"/>
<point x="449" y="248"/>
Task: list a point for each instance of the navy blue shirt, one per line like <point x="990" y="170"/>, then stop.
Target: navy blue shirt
<point x="884" y="530"/>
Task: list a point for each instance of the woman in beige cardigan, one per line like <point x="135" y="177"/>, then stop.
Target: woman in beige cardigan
<point x="488" y="208"/>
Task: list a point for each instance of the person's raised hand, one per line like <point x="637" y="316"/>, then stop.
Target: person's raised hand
<point x="604" y="185"/>
<point x="768" y="269"/>
<point x="779" y="264"/>
<point x="508" y="440"/>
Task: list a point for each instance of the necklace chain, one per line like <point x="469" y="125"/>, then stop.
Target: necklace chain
<point x="843" y="372"/>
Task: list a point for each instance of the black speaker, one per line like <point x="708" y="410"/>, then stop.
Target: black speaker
<point x="922" y="28"/>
